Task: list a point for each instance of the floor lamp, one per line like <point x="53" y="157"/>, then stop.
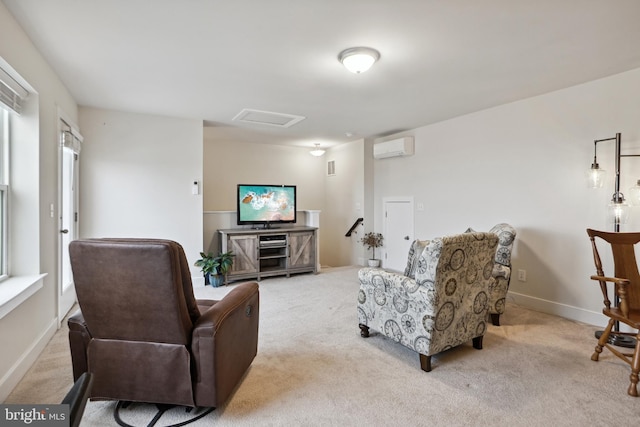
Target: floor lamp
<point x="617" y="212"/>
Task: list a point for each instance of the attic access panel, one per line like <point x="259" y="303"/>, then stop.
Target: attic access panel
<point x="269" y="118"/>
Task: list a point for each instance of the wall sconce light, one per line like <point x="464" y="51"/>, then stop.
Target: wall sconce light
<point x="317" y="152"/>
<point x="618" y="209"/>
<point x="358" y="59"/>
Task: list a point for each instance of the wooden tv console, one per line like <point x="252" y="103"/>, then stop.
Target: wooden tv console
<point x="270" y="252"/>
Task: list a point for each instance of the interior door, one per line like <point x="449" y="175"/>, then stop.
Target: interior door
<point x="398" y="232"/>
<point x="69" y="160"/>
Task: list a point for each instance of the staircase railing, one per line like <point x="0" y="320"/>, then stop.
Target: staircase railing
<point x="353" y="227"/>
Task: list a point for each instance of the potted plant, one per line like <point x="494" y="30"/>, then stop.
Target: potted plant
<point x="372" y="241"/>
<point x="215" y="268"/>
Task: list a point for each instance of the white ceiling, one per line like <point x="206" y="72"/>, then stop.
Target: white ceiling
<point x="209" y="59"/>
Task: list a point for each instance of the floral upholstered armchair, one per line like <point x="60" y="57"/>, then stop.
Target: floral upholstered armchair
<point x="501" y="270"/>
<point x="441" y="300"/>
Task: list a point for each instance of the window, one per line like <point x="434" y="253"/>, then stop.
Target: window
<point x="19" y="181"/>
<point x="4" y="191"/>
<point x="12" y="97"/>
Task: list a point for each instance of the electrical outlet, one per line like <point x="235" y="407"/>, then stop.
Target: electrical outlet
<point x="522" y="275"/>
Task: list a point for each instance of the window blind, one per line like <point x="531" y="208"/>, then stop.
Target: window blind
<point x="12" y="94"/>
<point x="71" y="141"/>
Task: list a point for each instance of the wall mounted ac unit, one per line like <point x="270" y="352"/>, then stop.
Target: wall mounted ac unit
<point x="394" y="148"/>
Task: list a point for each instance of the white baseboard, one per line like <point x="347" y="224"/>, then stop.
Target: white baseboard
<point x="563" y="310"/>
<point x="28" y="358"/>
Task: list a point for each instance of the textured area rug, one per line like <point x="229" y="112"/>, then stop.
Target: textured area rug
<point x="314" y="369"/>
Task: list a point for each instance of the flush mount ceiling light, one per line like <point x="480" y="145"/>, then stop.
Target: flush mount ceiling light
<point x="358" y="59"/>
<point x="317" y="151"/>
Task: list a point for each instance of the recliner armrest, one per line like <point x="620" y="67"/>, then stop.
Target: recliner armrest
<point x="225" y="342"/>
<point x="79" y="338"/>
<point x="211" y="319"/>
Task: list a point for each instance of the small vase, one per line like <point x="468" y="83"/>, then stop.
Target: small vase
<point x="375" y="263"/>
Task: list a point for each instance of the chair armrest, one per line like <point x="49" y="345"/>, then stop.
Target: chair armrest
<point x="616" y="280"/>
<point x="383" y="278"/>
<point x="500" y="270"/>
<point x="77" y="398"/>
<point x="620" y="291"/>
<point x="225" y="342"/>
<point x="379" y="287"/>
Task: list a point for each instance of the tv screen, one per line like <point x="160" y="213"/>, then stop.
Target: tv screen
<point x="266" y="204"/>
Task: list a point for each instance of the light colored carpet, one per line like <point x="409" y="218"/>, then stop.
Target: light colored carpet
<point x="314" y="369"/>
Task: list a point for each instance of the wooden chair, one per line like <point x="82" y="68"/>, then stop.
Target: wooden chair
<point x="626" y="282"/>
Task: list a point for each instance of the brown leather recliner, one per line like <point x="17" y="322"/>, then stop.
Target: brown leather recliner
<point x="143" y="335"/>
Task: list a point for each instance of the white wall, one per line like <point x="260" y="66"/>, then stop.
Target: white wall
<point x="229" y="163"/>
<point x="339" y="198"/>
<point x="137" y="172"/>
<point x="524" y="163"/>
<point x="344" y="204"/>
<point x="36" y="318"/>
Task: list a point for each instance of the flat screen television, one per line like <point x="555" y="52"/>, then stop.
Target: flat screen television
<point x="266" y="205"/>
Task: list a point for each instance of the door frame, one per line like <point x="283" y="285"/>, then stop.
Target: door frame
<point x="65" y="298"/>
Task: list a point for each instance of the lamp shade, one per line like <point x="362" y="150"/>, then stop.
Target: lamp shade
<point x="595" y="176"/>
<point x="618" y="212"/>
<point x="358" y="59"/>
